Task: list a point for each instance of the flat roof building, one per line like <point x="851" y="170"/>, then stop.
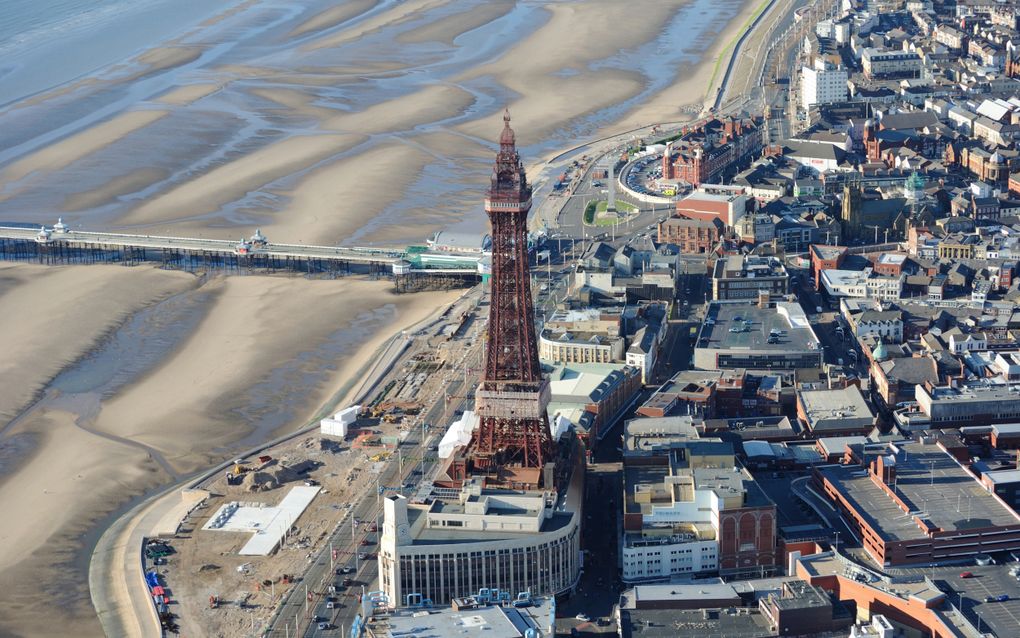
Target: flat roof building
<point x="714" y="201"/>
<point x="446" y="543"/>
<point x="471" y="616"/>
<point x="764" y="428"/>
<point x="656" y="436"/>
<point x="912" y="502"/>
<point x="758" y="608"/>
<point x="745" y="335"/>
<point x="692" y="510"/>
<point x="840" y="412"/>
<point x="747" y="276"/>
<point x="980" y="402"/>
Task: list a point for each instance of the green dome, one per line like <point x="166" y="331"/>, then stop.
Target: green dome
<point x="880" y="353"/>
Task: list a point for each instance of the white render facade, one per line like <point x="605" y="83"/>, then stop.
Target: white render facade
<point x="579" y="348"/>
<point x="883" y="329"/>
<point x="675" y="556"/>
<point x="862" y="284"/>
<point x="451" y="548"/>
<point x="823" y="83"/>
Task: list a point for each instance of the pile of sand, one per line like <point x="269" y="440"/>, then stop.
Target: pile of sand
<point x="259" y="482"/>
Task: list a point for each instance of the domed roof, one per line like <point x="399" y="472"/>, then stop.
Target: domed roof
<point x="880" y="353"/>
<point x="507" y="137"/>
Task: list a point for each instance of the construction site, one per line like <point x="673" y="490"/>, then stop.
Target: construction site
<point x="245" y="546"/>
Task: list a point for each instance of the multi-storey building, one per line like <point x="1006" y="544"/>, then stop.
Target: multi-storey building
<point x="691" y="235"/>
<point x="711" y="150"/>
<point x="949" y="36"/>
<point x="692" y="510"/>
<point x="714" y="201"/>
<point x="745" y="335"/>
<point x="912" y="502"/>
<point x="979" y="402"/>
<point x="825" y="257"/>
<point x="891" y="64"/>
<point x="862" y="284"/>
<point x="840" y="412"/>
<point x="579" y="347"/>
<point x="449" y="543"/>
<point x="746" y="277"/>
<point x="823" y="83"/>
<point x="884" y="325"/>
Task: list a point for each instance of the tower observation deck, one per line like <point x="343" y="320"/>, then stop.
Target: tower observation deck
<point x="512" y="444"/>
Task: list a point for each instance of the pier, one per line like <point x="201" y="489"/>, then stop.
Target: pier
<point x="410" y="271"/>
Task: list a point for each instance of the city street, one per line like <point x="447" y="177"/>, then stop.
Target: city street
<point x="599" y="586"/>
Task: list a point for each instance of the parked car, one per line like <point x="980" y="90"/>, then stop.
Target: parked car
<point x="966" y="575"/>
<point x="1002" y="598"/>
<point x="583" y="617"/>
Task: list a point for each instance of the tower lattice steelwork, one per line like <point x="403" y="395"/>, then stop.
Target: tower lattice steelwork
<point x="512" y="443"/>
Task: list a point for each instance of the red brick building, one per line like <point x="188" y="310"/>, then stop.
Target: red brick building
<point x="691" y="235"/>
<point x="915" y="503"/>
<point x="923" y="611"/>
<point x="825" y="258"/>
<point x="747" y="538"/>
<point x="1014" y="184"/>
<point x="987" y="166"/>
<point x="889" y="264"/>
<point x="708" y="151"/>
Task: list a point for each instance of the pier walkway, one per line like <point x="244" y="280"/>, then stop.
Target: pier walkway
<point x="60" y="244"/>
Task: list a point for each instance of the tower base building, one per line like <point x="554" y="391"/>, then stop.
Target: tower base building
<point x="449" y="543"/>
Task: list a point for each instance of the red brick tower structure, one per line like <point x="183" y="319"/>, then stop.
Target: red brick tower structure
<point x="512" y="445"/>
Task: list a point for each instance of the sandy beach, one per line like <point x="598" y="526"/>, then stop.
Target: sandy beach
<point x="247" y="135"/>
<point x="355" y="123"/>
<point x="265" y="355"/>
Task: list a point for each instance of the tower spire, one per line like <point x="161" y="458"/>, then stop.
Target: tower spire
<point x="512" y="444"/>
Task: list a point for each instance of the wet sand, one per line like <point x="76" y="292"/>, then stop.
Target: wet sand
<point x="365" y="122"/>
<point x="236" y="121"/>
<point x="214" y="367"/>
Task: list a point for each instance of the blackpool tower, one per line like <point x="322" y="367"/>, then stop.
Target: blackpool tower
<point x="512" y="444"/>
